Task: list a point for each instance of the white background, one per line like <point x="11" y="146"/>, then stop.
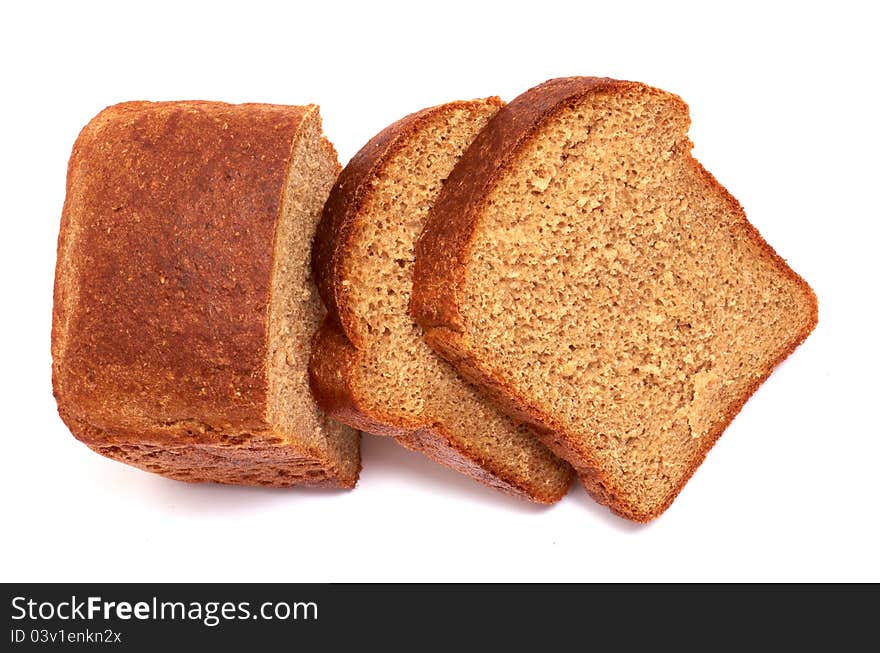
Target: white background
<point x="785" y="114"/>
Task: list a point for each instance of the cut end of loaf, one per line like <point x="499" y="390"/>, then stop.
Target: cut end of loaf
<point x="609" y="287"/>
<point x="295" y="309"/>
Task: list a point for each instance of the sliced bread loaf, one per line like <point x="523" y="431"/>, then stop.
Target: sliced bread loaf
<point x="371" y="368"/>
<point x="584" y="268"/>
<point x="183" y="307"/>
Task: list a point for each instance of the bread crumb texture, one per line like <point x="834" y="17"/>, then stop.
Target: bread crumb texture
<point x="607" y="286"/>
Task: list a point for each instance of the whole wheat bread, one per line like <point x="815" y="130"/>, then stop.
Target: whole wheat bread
<point x="584" y="268"/>
<point x="183" y="309"/>
<point x="371" y="367"/>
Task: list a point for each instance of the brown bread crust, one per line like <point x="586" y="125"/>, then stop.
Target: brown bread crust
<point x="439" y="272"/>
<point x="335" y="354"/>
<point x="159" y="338"/>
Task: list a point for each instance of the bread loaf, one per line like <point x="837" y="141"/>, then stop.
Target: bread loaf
<point x="183" y="310"/>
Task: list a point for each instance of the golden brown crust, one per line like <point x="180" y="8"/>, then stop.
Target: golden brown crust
<point x="336" y="355"/>
<point x="439" y="272"/>
<point x="159" y="338"/>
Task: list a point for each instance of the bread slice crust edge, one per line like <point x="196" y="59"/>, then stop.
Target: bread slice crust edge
<point x="336" y="350"/>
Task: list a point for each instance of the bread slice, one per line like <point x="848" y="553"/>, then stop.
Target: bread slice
<point x="371" y="367"/>
<point x="584" y="268"/>
<point x="183" y="308"/>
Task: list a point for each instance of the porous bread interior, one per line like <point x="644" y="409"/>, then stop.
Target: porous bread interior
<point x="296" y="310"/>
<point x="399" y="377"/>
<point x="620" y="292"/>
